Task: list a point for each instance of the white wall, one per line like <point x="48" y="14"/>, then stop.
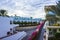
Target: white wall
<point x="5" y="25"/>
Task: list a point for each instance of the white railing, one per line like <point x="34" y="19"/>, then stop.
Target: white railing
<point x="18" y="36"/>
<point x="23" y="35"/>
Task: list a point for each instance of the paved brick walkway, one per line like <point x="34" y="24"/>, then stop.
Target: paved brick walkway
<point x="29" y="32"/>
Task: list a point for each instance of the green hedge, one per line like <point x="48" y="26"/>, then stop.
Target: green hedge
<point x="57" y="35"/>
<point x="25" y="23"/>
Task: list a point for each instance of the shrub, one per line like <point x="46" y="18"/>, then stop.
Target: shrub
<point x="57" y="35"/>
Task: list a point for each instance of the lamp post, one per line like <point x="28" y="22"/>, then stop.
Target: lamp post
<point x="31" y="20"/>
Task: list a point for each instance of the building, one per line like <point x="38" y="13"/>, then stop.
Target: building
<point x="53" y="22"/>
<point x="26" y="19"/>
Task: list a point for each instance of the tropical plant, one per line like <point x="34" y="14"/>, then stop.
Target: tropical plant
<point x="3" y="12"/>
<point x="58" y="8"/>
<point x="57" y="36"/>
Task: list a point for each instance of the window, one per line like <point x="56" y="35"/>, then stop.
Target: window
<point x="54" y="30"/>
<point x="49" y="29"/>
<point x="50" y="33"/>
<point x="59" y="29"/>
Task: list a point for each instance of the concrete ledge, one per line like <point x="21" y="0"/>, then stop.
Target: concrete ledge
<point x="53" y="26"/>
<point x="17" y="36"/>
<point x="25" y="28"/>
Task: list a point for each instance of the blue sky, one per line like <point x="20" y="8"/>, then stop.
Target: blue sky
<point x="26" y="8"/>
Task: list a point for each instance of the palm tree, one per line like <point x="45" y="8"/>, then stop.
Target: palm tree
<point x="54" y="8"/>
<point x="3" y="12"/>
<point x="58" y="8"/>
<point x="52" y="15"/>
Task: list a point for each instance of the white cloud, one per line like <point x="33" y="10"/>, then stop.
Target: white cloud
<point x="19" y="13"/>
<point x="26" y="8"/>
<point x="40" y="13"/>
